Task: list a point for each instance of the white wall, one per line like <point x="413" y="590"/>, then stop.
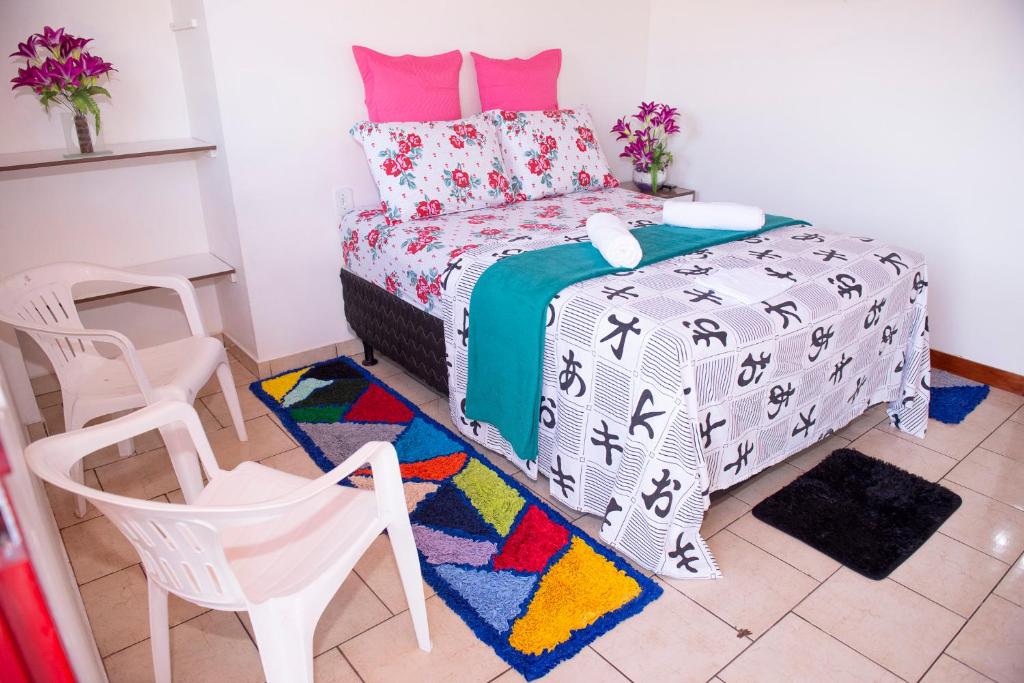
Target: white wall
<point x="896" y="119"/>
<point x="214" y="179"/>
<point x="116" y="213"/>
<point x="903" y="120"/>
<point x="286" y="117"/>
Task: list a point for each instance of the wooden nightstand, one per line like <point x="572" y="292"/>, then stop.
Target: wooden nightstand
<point x="669" y="192"/>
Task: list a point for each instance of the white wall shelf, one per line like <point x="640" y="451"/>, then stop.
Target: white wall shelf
<point x="19" y="161"/>
<point x="193" y="266"/>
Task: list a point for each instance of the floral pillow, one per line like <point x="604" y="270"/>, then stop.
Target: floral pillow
<point x="435" y="167"/>
<point x="553" y="152"/>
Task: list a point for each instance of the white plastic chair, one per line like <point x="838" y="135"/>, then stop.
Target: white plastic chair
<point x="39" y="302"/>
<point x="274" y="544"/>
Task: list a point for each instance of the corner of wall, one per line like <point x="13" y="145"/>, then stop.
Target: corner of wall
<point x="214" y="178"/>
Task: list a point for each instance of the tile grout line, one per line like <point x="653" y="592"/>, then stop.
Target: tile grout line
<point x="846" y="645"/>
<point x="987" y="678"/>
<point x="790" y="610"/>
<point x="368" y="586"/>
<point x="383" y="621"/>
<point x="974" y="612"/>
<point x="983" y="552"/>
<point x="769" y="552"/>
<point x="983" y="495"/>
<point x="971" y="452"/>
<point x="921" y="595"/>
<point x="106" y="657"/>
<point x="907" y="437"/>
<point x="372" y="592"/>
<point x="979" y="445"/>
<point x="909" y="588"/>
<point x="349" y="662"/>
<point x="870" y="659"/>
<point x="668" y="585"/>
<point x="133" y="564"/>
<point x="607" y="661"/>
<point x="841" y="566"/>
<point x="238" y="616"/>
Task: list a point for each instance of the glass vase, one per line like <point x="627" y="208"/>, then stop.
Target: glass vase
<point x="80" y="135"/>
<point x="650" y="180"/>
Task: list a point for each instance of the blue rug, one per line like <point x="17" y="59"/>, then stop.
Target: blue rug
<point x="953" y="398"/>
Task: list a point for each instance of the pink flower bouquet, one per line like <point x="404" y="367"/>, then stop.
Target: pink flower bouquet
<point x="59" y="69"/>
<point x="647" y="140"/>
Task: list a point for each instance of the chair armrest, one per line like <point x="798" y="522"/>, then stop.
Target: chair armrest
<point x="56" y="454"/>
<point x="113" y="337"/>
<point x="381" y="457"/>
<point x="377" y="454"/>
<point x="180" y="285"/>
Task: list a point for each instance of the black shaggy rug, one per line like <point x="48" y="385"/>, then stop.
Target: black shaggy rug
<point x="860" y="511"/>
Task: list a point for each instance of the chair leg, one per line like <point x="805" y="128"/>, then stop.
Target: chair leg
<point x="227" y="387"/>
<point x="159" y="633"/>
<point x="126" y="448"/>
<point x="284" y="637"/>
<point x="404" y="546"/>
<point x="77" y="473"/>
<point x="184" y="460"/>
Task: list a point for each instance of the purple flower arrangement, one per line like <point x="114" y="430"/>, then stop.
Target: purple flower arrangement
<point x="647" y="139"/>
<point x="58" y="69"/>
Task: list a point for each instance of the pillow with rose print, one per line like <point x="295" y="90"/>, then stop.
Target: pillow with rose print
<point x="553" y="152"/>
<point x="435" y="167"/>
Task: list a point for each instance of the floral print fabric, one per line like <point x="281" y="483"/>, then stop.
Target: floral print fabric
<point x="411" y="259"/>
<point x="550" y="153"/>
<point x="424" y="170"/>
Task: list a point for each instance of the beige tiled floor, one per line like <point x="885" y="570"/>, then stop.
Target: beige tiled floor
<point x="782" y="612"/>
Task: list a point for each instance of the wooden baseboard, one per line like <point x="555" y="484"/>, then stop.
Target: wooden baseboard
<point x="978" y="372"/>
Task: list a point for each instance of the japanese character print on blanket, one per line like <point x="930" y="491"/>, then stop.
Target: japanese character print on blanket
<point x="657" y="391"/>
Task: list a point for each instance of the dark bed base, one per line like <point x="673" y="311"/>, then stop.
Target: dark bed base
<point x="410" y="337"/>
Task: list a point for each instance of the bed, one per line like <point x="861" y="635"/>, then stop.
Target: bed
<point x="655" y="391"/>
<point x="388" y="268"/>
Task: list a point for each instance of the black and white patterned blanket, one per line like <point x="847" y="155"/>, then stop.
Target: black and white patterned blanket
<point x="657" y="391"/>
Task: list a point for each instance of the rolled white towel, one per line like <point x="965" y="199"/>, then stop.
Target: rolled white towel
<point x="613" y="239"/>
<point x="712" y="215"/>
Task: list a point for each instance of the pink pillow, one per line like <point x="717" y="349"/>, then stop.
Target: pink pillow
<point x="519" y="84"/>
<point x="410" y="88"/>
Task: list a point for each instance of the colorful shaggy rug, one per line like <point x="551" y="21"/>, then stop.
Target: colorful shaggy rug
<point x="527" y="582"/>
<point x="953" y="397"/>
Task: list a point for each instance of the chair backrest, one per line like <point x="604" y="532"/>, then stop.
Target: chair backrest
<point x="179" y="545"/>
<point x="43" y="296"/>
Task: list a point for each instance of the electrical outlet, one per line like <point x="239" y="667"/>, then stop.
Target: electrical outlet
<point x="343" y="201"/>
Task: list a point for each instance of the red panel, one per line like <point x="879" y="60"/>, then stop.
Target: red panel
<point x="12" y="669"/>
<point x="28" y="628"/>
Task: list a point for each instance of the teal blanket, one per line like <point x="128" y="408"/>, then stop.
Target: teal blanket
<point x="508" y="313"/>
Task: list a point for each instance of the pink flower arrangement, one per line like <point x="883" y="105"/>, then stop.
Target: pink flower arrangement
<point x="58" y="69"/>
<point x="647" y="141"/>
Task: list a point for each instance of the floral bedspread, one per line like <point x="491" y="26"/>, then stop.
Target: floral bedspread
<point x="410" y="259"/>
